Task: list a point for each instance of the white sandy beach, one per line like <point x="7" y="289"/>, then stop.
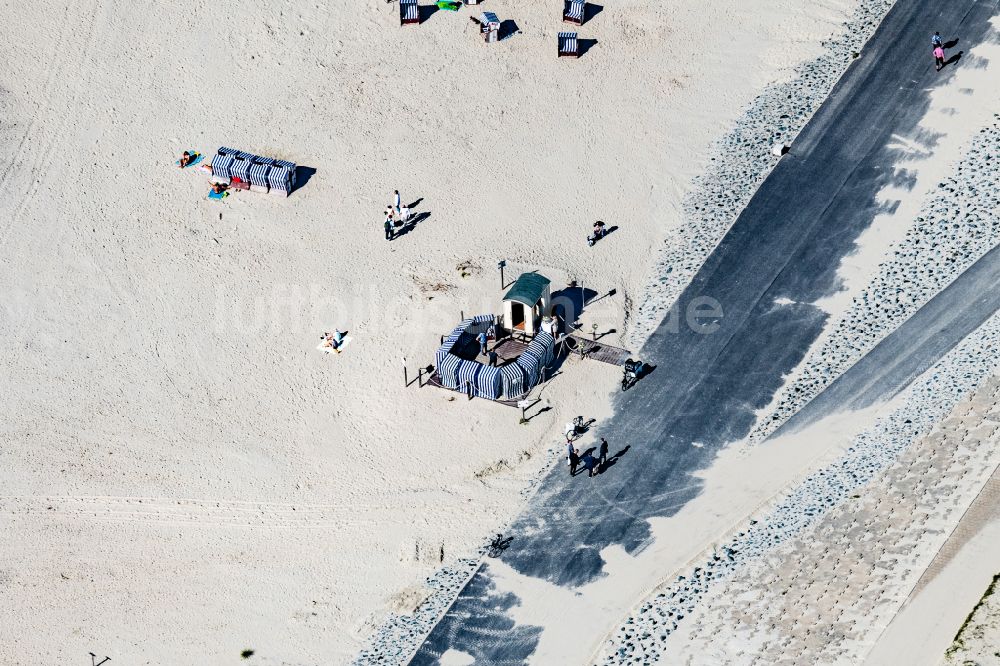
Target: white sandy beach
<point x="184" y="476"/>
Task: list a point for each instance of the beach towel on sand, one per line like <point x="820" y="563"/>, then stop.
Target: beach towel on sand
<point x="198" y="157"/>
<point x="449" y="5"/>
<point x="218" y="195"/>
<point x="329" y="350"/>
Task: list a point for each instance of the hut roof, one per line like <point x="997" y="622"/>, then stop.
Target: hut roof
<point x="527" y="289"/>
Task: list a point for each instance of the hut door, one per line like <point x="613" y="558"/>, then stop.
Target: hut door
<point x="517" y="316"/>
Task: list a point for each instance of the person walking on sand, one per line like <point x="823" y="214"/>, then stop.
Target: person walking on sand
<point x="574" y="459"/>
<point x="936" y="40"/>
<point x="395" y="201"/>
<point x="388" y="224"/>
<point x="938" y="58"/>
<point x="590" y="464"/>
<point x="602" y="458"/>
<point x="481" y="339"/>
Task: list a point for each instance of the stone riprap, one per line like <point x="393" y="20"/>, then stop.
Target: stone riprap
<point x="643" y="637"/>
<point x="741" y="161"/>
<point x="958" y="225"/>
<point x="827" y="595"/>
<point x="399" y="635"/>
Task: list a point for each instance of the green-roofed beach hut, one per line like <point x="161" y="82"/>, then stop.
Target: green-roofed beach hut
<point x="526" y="302"/>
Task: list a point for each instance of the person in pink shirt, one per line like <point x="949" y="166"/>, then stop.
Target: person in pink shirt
<point x="938" y="58"/>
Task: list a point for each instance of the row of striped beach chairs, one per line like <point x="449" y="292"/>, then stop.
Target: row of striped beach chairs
<point x="260" y="174"/>
<point x="574" y="11"/>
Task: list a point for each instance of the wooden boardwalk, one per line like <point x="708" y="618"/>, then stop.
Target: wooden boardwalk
<point x="597" y="351"/>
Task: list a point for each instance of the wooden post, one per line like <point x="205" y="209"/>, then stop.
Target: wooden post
<point x="405" y="378"/>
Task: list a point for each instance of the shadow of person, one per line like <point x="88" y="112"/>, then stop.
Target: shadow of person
<point x="540" y="411"/>
<point x="950" y="45"/>
<point x="415" y="203"/>
<point x="614" y="459"/>
<point x="954" y="59"/>
<point x="411" y="223"/>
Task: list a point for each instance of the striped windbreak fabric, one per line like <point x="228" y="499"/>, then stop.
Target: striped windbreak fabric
<point x="575" y="10"/>
<point x="449" y="342"/>
<point x="481" y="324"/>
<point x="488" y="383"/>
<point x="448" y="371"/>
<point x="543" y="347"/>
<point x="468" y="371"/>
<point x="514" y="380"/>
<point x="567" y="42"/>
<point x="471" y="377"/>
<point x="532" y="365"/>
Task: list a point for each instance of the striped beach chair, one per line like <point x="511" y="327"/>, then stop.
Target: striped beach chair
<point x="281" y="178"/>
<point x="221" y="163"/>
<point x="259" y="168"/>
<point x="569" y="45"/>
<point x="239" y="170"/>
<point x="409" y="12"/>
<point x="573" y="11"/>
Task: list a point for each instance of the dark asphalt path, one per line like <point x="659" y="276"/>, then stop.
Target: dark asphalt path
<point x="787" y="244"/>
<point x="914" y="347"/>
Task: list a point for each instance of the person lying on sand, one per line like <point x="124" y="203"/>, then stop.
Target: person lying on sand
<point x="186" y="158"/>
<point x="333" y="340"/>
<point x="219" y="188"/>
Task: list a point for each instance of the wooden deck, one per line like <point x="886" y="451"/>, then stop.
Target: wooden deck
<point x="509" y="348"/>
<point x="597" y="351"/>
